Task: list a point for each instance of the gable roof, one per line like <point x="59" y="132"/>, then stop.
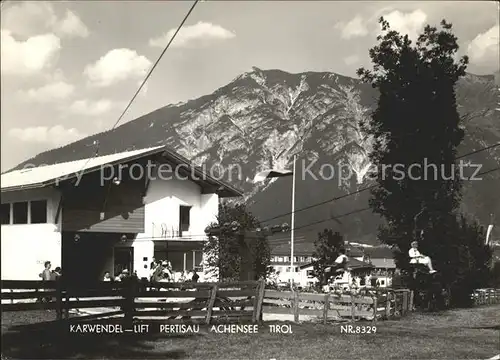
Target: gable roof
<point x="383" y="263"/>
<point x="42" y="176"/>
<point x="379" y="252"/>
<point x="299" y="249"/>
<point x="352" y="263"/>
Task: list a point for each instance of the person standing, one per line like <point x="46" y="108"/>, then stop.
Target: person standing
<point x="56" y="274"/>
<point x="46" y="275"/>
<point x="195" y="276"/>
<point x="397" y="282"/>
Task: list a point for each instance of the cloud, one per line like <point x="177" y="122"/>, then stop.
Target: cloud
<point x="29" y="18"/>
<point x="407" y="23"/>
<point x="71" y="25"/>
<point x="354" y="28"/>
<point x="483" y="50"/>
<point x="351" y="60"/>
<point x="55" y="135"/>
<point x="54" y="91"/>
<point x="35" y="54"/>
<point x="33" y="18"/>
<point x="91" y="108"/>
<point x="198" y="35"/>
<point x="117" y="65"/>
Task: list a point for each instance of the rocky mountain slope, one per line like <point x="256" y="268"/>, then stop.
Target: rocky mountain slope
<point x="262" y="118"/>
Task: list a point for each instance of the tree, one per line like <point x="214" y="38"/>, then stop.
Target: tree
<point x="416" y="124"/>
<point x="327" y="247"/>
<point x="473" y="261"/>
<point x="495" y="275"/>
<point x="223" y="251"/>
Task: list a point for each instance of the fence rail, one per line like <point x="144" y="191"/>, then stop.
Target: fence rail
<point x="486" y="296"/>
<point x="374" y="306"/>
<point x="210" y="302"/>
<point x="192" y="302"/>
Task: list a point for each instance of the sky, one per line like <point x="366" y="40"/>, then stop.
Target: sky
<point x="68" y="69"/>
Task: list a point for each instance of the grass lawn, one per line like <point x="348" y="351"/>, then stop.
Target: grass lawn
<point x="457" y="334"/>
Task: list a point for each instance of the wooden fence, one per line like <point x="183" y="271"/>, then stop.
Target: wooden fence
<point x="375" y="305"/>
<point x="191" y="302"/>
<point x="210" y="302"/>
<point x="486" y="296"/>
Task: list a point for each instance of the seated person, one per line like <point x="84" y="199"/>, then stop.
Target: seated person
<point x="418" y="258"/>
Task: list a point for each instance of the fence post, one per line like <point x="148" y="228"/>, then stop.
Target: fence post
<point x="388" y="305"/>
<point x="410" y="305"/>
<point x="326" y="307"/>
<point x="375" y="307"/>
<point x="59" y="302"/>
<point x="295" y="305"/>
<point x="404" y="305"/>
<point x="129" y="301"/>
<point x="353" y="309"/>
<point x="396" y="294"/>
<point x="211" y="303"/>
<point x="66" y="303"/>
<point x="259" y="299"/>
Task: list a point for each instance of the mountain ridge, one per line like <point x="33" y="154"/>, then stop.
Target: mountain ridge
<point x="263" y="117"/>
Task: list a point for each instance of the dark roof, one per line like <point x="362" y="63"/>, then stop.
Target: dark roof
<point x="198" y="175"/>
<point x="355" y="251"/>
<point x="195" y="174"/>
<point x="352" y="263"/>
<point x="379" y="252"/>
<point x="356" y="264"/>
<point x="387" y="263"/>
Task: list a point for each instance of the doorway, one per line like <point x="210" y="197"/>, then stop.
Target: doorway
<point x="123" y="259"/>
<point x="85" y="256"/>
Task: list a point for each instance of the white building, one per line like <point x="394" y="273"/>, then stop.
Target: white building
<point x="88" y="217"/>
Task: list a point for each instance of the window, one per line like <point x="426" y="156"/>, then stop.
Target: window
<point x="38" y="212"/>
<point x="20" y="213"/>
<point x="287" y="259"/>
<point x="296" y="269"/>
<point x="5" y="214"/>
<point x="280" y="259"/>
<point x="184" y="218"/>
<point x="310" y="273"/>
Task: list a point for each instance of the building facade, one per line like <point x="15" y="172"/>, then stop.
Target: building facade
<point x="103" y="219"/>
<point x="379" y="257"/>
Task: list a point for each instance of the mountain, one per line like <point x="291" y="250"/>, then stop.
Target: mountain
<point x="262" y="118"/>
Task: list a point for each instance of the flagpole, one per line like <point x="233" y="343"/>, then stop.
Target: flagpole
<point x="292" y="231"/>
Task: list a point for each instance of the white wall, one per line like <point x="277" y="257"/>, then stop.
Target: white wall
<point x="162" y="202"/>
<point x="26" y="247"/>
<point x="143" y="248"/>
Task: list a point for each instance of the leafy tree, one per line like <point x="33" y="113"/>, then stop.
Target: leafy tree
<point x="475" y="258"/>
<point x="223" y="251"/>
<point x="416" y="123"/>
<point x="327" y="247"/>
<point x="495" y="275"/>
